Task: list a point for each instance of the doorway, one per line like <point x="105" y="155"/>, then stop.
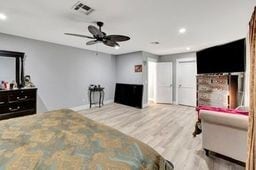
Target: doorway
<point x="186" y="81"/>
<point x="160" y="87"/>
<point x="152" y="82"/>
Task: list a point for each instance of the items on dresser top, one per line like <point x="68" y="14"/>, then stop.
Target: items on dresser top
<point x="28" y="82"/>
<point x="8" y="86"/>
<point x="4" y="85"/>
<point x="17" y="102"/>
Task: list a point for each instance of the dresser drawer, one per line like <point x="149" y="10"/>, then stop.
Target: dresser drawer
<point x="16" y="114"/>
<point x="17" y="102"/>
<point x="3" y="99"/>
<point x="17" y="107"/>
<point x="22" y="95"/>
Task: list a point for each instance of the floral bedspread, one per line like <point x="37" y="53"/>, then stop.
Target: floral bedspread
<point x="65" y="139"/>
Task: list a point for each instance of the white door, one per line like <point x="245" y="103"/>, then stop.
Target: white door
<point x="164" y="82"/>
<point x="186" y="82"/>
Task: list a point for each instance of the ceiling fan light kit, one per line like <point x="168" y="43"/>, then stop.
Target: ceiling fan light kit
<point x="98" y="36"/>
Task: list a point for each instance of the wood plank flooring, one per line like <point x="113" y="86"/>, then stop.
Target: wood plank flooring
<point x="166" y="128"/>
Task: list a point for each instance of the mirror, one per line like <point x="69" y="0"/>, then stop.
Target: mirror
<point x="7" y="69"/>
<point x="11" y="67"/>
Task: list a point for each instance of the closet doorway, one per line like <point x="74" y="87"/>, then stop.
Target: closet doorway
<point x="152" y="82"/>
<point x="160" y="82"/>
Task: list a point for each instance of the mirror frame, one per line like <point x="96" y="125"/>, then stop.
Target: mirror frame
<point x="19" y="65"/>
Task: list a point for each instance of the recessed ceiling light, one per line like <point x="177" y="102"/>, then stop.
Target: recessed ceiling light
<point x="155" y="43"/>
<point x="182" y="30"/>
<point x="3" y="16"/>
<point x="117" y="47"/>
<point x="188" y="48"/>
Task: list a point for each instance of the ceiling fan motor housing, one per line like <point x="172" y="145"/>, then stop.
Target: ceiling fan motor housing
<point x="99" y="36"/>
<point x="100" y="24"/>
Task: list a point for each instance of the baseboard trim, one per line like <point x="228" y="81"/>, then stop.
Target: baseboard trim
<point x="152" y="99"/>
<point x="145" y="105"/>
<point x="87" y="106"/>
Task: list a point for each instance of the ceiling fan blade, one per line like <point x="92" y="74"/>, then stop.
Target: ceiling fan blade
<point x="92" y="42"/>
<point x="95" y="31"/>
<point x="79" y="35"/>
<point x="117" y="38"/>
<point x="111" y="43"/>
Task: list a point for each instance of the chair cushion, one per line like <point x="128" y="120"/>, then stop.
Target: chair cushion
<point x="238" y="121"/>
<point x="223" y="110"/>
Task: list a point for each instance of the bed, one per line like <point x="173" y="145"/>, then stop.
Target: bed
<point x="64" y="139"/>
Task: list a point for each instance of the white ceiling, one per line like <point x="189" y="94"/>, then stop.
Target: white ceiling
<point x="208" y="22"/>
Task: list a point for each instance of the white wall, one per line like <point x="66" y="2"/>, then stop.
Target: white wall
<point x="247" y="75"/>
<point x="62" y="74"/>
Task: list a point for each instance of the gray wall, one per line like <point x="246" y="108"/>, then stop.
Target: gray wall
<point x="125" y="70"/>
<point x="62" y="74"/>
<point x="172" y="58"/>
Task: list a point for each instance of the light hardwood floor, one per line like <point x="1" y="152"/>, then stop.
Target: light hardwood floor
<point x="166" y="128"/>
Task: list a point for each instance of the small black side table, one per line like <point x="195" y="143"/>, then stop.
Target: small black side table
<point x="99" y="90"/>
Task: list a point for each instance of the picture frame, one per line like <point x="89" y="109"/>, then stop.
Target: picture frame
<point x="138" y="68"/>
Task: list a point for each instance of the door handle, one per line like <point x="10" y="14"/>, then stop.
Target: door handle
<point x="20" y="99"/>
<point x="179" y="85"/>
<point x="13" y="110"/>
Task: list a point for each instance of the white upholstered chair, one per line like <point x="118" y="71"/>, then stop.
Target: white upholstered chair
<point x="225" y="134"/>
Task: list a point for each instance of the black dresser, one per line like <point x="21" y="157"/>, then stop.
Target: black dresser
<point x="18" y="102"/>
<point x="129" y="94"/>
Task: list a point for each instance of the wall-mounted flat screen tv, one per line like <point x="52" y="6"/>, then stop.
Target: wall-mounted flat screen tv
<point x="225" y="58"/>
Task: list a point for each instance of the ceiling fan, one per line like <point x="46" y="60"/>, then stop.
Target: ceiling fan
<point x="101" y="37"/>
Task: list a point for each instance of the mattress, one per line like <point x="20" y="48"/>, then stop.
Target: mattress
<point x="64" y="139"/>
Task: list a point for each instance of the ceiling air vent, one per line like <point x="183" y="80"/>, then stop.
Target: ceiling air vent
<point x="81" y="7"/>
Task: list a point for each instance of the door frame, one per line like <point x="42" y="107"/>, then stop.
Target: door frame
<point x="155" y="62"/>
<point x="187" y="59"/>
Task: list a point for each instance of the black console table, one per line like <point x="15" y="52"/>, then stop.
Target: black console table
<point x="99" y="90"/>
